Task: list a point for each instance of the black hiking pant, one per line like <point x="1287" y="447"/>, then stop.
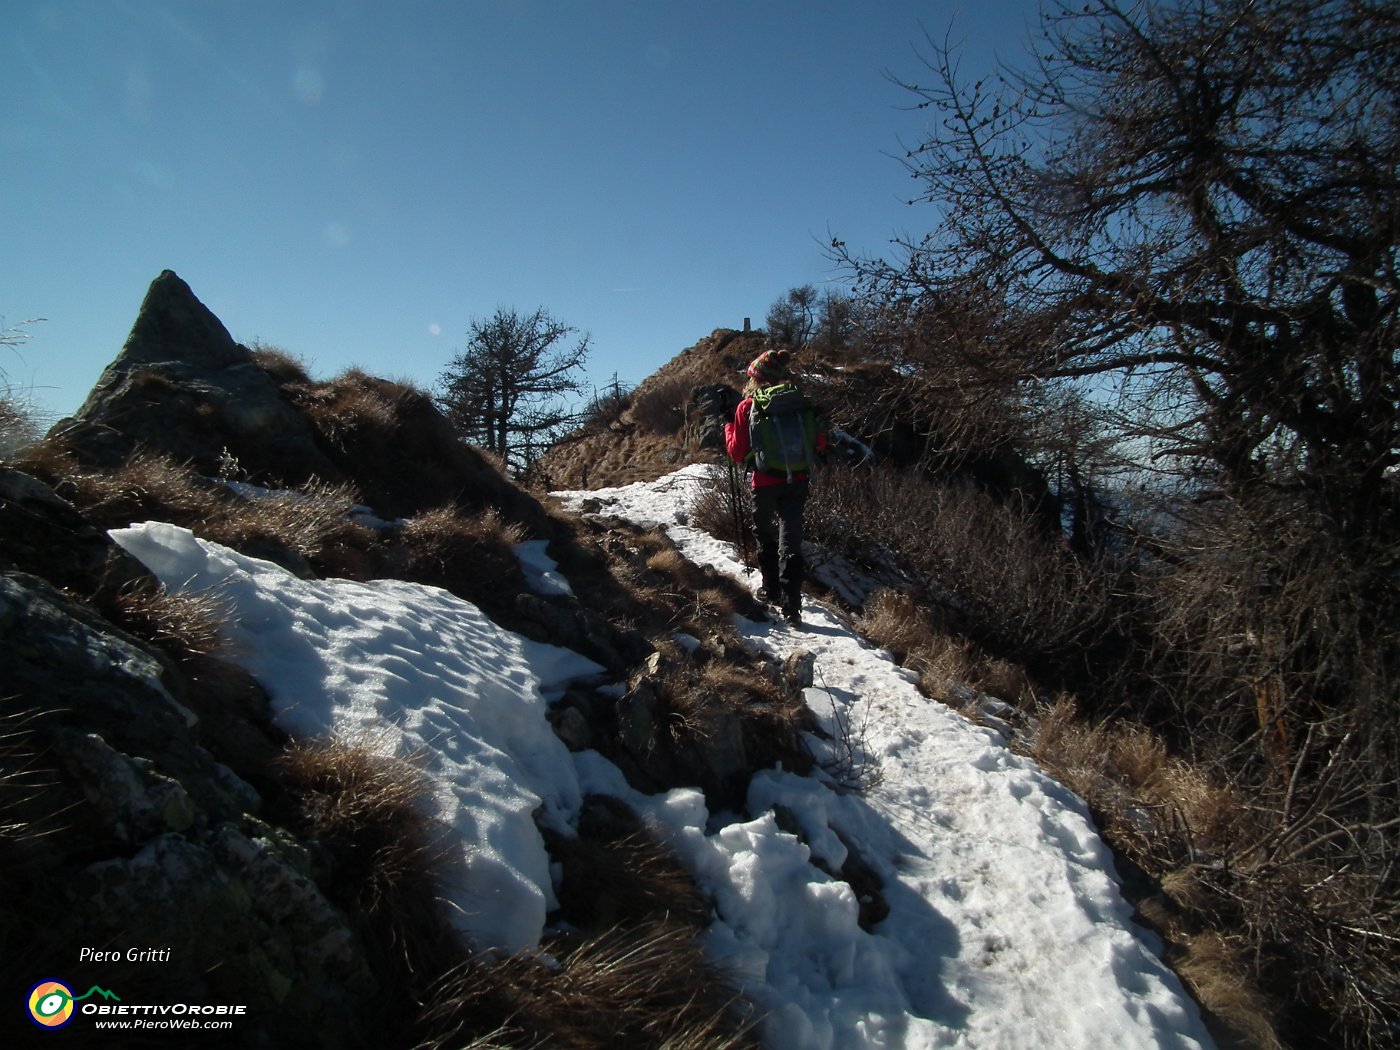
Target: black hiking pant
<point x="777" y="522"/>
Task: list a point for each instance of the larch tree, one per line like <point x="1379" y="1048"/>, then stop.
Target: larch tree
<point x="1196" y="205"/>
<point x="507" y="390"/>
<point x="1188" y="215"/>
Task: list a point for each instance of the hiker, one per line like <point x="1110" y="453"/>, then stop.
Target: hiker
<point x="775" y="432"/>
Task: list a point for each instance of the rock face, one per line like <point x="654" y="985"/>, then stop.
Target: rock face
<point x="32" y="515"/>
<point x="133" y="835"/>
<point x="707" y="410"/>
<point x="181" y="386"/>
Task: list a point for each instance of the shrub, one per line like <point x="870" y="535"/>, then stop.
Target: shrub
<point x="986" y="564"/>
<point x="605" y="407"/>
<point x="1251" y="908"/>
<point x="1270" y="657"/>
<point x="723" y="508"/>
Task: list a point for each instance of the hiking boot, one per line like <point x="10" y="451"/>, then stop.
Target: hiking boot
<point x="792" y="612"/>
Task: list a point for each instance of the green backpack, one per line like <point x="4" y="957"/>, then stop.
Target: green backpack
<point x="782" y="431"/>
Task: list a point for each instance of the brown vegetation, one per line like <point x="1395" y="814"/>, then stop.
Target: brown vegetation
<point x="638" y="973"/>
<point x="645" y="439"/>
<point x="471" y="555"/>
<point x="1205" y="716"/>
<point x="648" y="988"/>
<point x="362" y="811"/>
<point x="183" y="625"/>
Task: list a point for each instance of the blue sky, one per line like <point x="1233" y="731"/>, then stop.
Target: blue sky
<point x="355" y="181"/>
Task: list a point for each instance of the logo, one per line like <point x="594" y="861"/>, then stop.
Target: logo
<point x="51" y="1002"/>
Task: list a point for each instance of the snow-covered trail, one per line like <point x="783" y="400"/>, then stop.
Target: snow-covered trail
<point x="1006" y="928"/>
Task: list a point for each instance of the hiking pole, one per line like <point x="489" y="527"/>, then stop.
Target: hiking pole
<point x="739" y="530"/>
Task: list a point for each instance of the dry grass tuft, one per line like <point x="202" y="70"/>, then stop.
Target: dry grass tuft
<point x="367" y="809"/>
<point x="364" y="811"/>
<point x="471" y="555"/>
<point x="282" y="365"/>
<point x="897" y="622"/>
<point x="1212" y="967"/>
<point x="302" y="529"/>
<point x="1148" y="796"/>
<point x="649" y="987"/>
<point x="50" y="461"/>
<point x="310" y="523"/>
<point x="773" y="718"/>
<point x="669" y="562"/>
<point x="919" y="640"/>
<point x="146" y="487"/>
<point x="29" y="812"/>
<point x="660" y="407"/>
<point x="680" y="594"/>
<point x="616" y="873"/>
<point x="355" y="404"/>
<point x="18" y="428"/>
<point x="184" y="624"/>
<point x="717" y="601"/>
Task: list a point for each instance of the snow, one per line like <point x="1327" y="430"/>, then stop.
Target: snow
<point x="541" y="572"/>
<point x="414" y="672"/>
<point x="1006" y="927"/>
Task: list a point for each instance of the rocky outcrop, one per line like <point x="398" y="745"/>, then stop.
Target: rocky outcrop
<point x="636" y="447"/>
<point x="707" y="410"/>
<point x="33" y="517"/>
<point x="672" y="726"/>
<point x="136" y="837"/>
<point x="182" y="387"/>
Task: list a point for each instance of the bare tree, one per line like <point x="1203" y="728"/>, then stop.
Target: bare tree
<point x="1197" y="204"/>
<point x="793" y="317"/>
<point x="1189" y="213"/>
<point x="506" y="390"/>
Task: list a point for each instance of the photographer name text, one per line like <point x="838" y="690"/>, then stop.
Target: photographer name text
<point x="135" y="955"/>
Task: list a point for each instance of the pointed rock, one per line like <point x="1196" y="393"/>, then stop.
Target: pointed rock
<point x="183" y="387"/>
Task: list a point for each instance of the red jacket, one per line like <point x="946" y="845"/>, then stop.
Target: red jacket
<point x="736" y="442"/>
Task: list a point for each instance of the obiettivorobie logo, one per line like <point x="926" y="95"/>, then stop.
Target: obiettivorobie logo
<point x="51" y="1002"/>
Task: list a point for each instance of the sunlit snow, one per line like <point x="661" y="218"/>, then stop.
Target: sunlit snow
<point x="1006" y="925"/>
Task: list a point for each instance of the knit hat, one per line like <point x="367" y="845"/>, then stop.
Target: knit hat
<point x="774" y="365"/>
